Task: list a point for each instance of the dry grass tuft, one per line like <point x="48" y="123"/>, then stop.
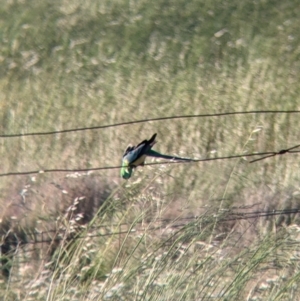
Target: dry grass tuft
<point x="171" y="232"/>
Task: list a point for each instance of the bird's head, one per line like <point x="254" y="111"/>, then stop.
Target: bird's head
<point x="126" y="173"/>
<point x="126" y="170"/>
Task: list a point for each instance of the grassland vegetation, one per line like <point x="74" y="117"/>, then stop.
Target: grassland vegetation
<point x="171" y="232"/>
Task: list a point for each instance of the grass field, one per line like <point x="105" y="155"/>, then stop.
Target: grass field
<point x="173" y="231"/>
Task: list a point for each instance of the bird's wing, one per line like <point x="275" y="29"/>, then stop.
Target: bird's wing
<point x="152" y="153"/>
<point x="129" y="148"/>
<point x="133" y="155"/>
<point x="150" y="142"/>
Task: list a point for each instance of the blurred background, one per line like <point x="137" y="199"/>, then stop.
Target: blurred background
<point x="77" y="64"/>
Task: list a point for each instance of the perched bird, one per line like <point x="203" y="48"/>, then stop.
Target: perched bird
<point x="135" y="156"/>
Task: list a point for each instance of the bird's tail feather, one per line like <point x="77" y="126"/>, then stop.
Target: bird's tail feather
<point x="152" y="153"/>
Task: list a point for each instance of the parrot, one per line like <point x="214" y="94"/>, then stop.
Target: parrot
<point x="135" y="156"/>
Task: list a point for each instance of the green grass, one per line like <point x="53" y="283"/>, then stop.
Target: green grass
<point x="73" y="64"/>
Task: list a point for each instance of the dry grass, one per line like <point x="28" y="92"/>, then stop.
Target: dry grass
<point x="86" y="63"/>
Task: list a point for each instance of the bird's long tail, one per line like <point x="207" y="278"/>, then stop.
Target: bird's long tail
<point x="152" y="153"/>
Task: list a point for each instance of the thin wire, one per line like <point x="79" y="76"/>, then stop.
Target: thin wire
<point x="281" y="152"/>
<point x="119" y="166"/>
<point x="154" y="163"/>
<point x="148" y="120"/>
<point x="232" y="217"/>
